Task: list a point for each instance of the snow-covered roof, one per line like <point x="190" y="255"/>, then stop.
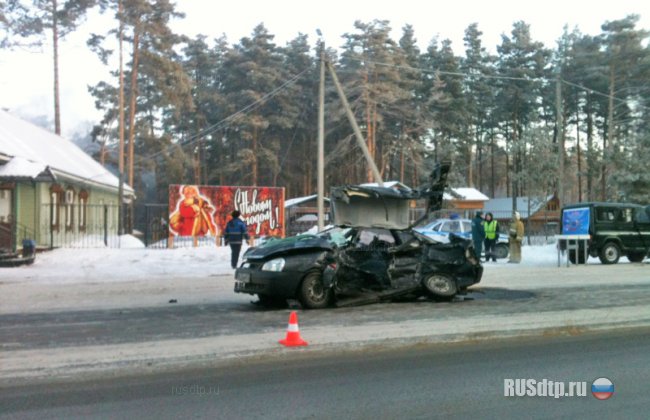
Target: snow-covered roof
<point x="19" y="167"/>
<point x="299" y="200"/>
<point x="500" y="206"/>
<point x="389" y="184"/>
<point x="30" y="143"/>
<point x="466" y="194"/>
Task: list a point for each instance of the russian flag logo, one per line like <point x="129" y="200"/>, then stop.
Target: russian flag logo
<point x="602" y="388"/>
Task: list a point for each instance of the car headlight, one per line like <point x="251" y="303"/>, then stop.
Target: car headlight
<point x="471" y="256"/>
<point x="276" y="264"/>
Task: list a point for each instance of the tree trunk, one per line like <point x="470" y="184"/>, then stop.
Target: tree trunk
<point x="609" y="138"/>
<point x="590" y="154"/>
<point x="401" y="165"/>
<point x="578" y="153"/>
<point x="55" y="46"/>
<point x="492" y="169"/>
<point x="133" y="101"/>
<point x="254" y="148"/>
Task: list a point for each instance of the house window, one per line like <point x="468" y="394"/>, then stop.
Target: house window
<point x="5" y="206"/>
<point x="83" y="209"/>
<point x="56" y="201"/>
<point x="69" y="208"/>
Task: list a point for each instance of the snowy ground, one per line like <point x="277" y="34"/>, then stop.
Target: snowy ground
<point x="133" y="262"/>
<point x="134" y="277"/>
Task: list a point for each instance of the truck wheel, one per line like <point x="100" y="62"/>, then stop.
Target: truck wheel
<point x="501" y="251"/>
<point x="610" y="253"/>
<point x="440" y="286"/>
<point x="312" y="293"/>
<point x="636" y="257"/>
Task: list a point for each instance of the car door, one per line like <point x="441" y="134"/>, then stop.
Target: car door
<point x="455" y="227"/>
<point x="364" y="264"/>
<point x="642" y="228"/>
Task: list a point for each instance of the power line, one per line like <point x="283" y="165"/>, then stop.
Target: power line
<point x="496" y="77"/>
<point x="214" y="127"/>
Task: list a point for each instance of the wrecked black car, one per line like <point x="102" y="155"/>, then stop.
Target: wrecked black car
<point x="372" y="254"/>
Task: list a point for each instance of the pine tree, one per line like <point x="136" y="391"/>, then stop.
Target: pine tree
<point x="29" y="24"/>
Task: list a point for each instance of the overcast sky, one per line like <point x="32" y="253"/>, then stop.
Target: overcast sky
<point x="26" y="77"/>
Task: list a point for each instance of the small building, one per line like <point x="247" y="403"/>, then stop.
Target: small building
<point x="301" y="213"/>
<point x="541" y="215"/>
<point x="50" y="190"/>
<point x="465" y="200"/>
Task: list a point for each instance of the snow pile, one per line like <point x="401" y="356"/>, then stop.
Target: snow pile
<point x="133" y="262"/>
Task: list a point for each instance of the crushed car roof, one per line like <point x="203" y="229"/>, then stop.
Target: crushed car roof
<point x="369" y="206"/>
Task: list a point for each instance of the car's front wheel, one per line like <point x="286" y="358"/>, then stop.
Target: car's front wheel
<point x="440" y="286"/>
<point x="610" y="253"/>
<point x="313" y="294"/>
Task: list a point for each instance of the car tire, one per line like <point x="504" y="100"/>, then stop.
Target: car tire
<point x="609" y="253"/>
<point x="440" y="286"/>
<point x="636" y="257"/>
<point x="501" y="251"/>
<point x="312" y="293"/>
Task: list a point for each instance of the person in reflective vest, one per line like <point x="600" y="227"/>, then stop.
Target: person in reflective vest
<point x="490" y="226"/>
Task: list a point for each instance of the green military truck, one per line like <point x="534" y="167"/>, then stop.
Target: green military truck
<point x="615" y="230"/>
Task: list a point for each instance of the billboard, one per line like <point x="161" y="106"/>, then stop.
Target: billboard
<point x="204" y="210"/>
<point x="575" y="221"/>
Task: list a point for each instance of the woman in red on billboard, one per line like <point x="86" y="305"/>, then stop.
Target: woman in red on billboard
<point x="194" y="214"/>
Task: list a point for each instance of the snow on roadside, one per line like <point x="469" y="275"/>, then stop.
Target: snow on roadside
<point x="134" y="262"/>
<point x="130" y="263"/>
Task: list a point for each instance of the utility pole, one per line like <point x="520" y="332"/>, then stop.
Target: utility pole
<point x="560" y="140"/>
<point x="355" y="127"/>
<point x="321" y="141"/>
<point x="120" y="203"/>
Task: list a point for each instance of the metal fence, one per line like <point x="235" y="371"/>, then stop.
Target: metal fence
<point x="538" y="231"/>
<point x="93" y="226"/>
<point x="79" y="226"/>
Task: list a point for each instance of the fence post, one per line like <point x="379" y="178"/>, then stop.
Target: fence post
<point x="51" y="225"/>
<point x="146" y="225"/>
<point x="106" y="224"/>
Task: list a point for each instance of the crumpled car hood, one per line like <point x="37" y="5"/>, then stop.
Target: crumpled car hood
<point x="287" y="245"/>
<point x="361" y="206"/>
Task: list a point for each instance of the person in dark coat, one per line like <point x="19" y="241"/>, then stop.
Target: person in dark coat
<point x="235" y="233"/>
<point x="478" y="233"/>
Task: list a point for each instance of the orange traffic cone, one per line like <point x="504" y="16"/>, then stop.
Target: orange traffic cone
<point x="293" y="338"/>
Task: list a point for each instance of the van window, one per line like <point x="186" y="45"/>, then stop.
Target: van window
<point x="625" y="215"/>
<point x="605" y="215"/>
<point x="642" y="216"/>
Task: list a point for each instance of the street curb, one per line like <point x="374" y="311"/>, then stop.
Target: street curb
<point x="67" y="363"/>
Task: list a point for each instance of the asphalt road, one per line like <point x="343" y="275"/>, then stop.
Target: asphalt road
<point x="176" y="321"/>
<point x="463" y="380"/>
